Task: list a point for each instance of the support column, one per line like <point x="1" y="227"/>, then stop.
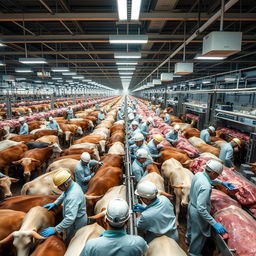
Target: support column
<point x="180" y="108"/>
<point x="8" y="107"/>
<point x="52" y="102"/>
<point x="165" y="95"/>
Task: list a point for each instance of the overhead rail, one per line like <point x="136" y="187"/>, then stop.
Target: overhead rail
<point x="235" y="114"/>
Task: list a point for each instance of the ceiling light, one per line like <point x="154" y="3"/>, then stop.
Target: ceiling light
<point x="230" y="79"/>
<point x="69" y="73"/>
<point x="78" y="77"/>
<point x="135" y="9"/>
<point x="23" y="70"/>
<point x="127" y="55"/>
<point x="200" y="57"/>
<point x="156" y="81"/>
<point x="56" y="78"/>
<point x="60" y="69"/>
<point x="2" y="64"/>
<point x="206" y="81"/>
<point x="2" y="45"/>
<point x="32" y="60"/>
<point x="126" y="63"/>
<point x="128" y="39"/>
<point x="177" y="75"/>
<point x="60" y="81"/>
<point x="37" y="81"/>
<point x="122" y="9"/>
<point x="191" y="83"/>
<point x="86" y="80"/>
<point x="183" y="68"/>
<point x="126" y="77"/>
<point x="124" y="73"/>
<point x="126" y="69"/>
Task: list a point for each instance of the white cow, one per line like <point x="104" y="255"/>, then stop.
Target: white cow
<point x="163" y="246"/>
<point x="103" y="131"/>
<point x="196" y="141"/>
<point x="63" y="163"/>
<point x="180" y="179"/>
<point x="5" y="185"/>
<point x="87" y="145"/>
<point x="81" y="237"/>
<point x="8" y="143"/>
<point x="117" y="148"/>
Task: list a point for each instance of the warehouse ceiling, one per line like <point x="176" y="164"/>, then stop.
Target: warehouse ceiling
<point x="75" y="34"/>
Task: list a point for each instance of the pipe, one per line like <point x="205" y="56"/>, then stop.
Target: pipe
<point x="194" y="35"/>
<point x="46" y="6"/>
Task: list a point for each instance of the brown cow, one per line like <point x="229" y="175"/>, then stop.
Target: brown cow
<point x="112" y="160"/>
<point x="116" y="127"/>
<point x="75" y="156"/>
<point x="33" y="159"/>
<point x="152" y="168"/>
<point x="52" y="246"/>
<point x="75" y="151"/>
<point x="115" y="137"/>
<point x="202" y="147"/>
<point x="11" y="154"/>
<point x="191" y="132"/>
<point x="24" y="138"/>
<point x="5" y="184"/>
<point x="34" y="125"/>
<point x="70" y="130"/>
<point x="93" y="138"/>
<point x="45" y="132"/>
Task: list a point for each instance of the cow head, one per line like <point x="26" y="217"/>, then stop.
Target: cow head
<point x="90" y="124"/>
<point x="22" y="240"/>
<point x="5" y="184"/>
<point x="79" y="130"/>
<point x="102" y="145"/>
<point x="184" y="193"/>
<point x="68" y="135"/>
<point x="56" y="148"/>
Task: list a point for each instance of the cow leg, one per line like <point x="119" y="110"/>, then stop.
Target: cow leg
<point x="177" y="207"/>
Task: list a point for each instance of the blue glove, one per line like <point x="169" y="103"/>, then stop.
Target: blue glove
<point x="219" y="228"/>
<point x="159" y="155"/>
<point x="138" y="208"/>
<point x="48" y="232"/>
<point x="49" y="206"/>
<point x="228" y="185"/>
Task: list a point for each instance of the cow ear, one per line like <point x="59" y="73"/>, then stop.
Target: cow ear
<point x="35" y="160"/>
<point x="177" y="186"/>
<point x="14" y="179"/>
<point x="17" y="162"/>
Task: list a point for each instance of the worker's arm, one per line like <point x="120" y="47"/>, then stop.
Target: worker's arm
<point x="60" y="199"/>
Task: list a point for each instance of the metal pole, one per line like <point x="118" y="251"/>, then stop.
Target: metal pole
<point x="52" y="102"/>
<point x="8" y="107"/>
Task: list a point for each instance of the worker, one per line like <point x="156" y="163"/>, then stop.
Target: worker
<point x="139" y="143"/>
<point x="206" y="134"/>
<point x="120" y="114"/>
<point x="97" y="107"/>
<point x="173" y="135"/>
<point x="53" y="125"/>
<point x="137" y="117"/>
<point x="74" y="206"/>
<point x="70" y="113"/>
<point x="83" y="173"/>
<point x="130" y="118"/>
<point x="133" y="130"/>
<point x="115" y="241"/>
<point x="150" y="106"/>
<point x="199" y="218"/>
<point x="153" y="146"/>
<point x="145" y="127"/>
<point x="101" y="116"/>
<point x="167" y="118"/>
<point x="24" y="126"/>
<point x="227" y="151"/>
<point x="138" y="164"/>
<point x="158" y="217"/>
<point x="158" y="111"/>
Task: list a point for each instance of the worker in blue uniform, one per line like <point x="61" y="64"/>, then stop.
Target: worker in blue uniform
<point x="145" y="127"/>
<point x="138" y="165"/>
<point x="53" y="125"/>
<point x="199" y="218"/>
<point x="74" y="206"/>
<point x="70" y="113"/>
<point x="115" y="241"/>
<point x="97" y="107"/>
<point x="206" y="134"/>
<point x="24" y="126"/>
<point x="120" y="115"/>
<point x="138" y="144"/>
<point x="227" y="151"/>
<point x="153" y="146"/>
<point x="173" y="135"/>
<point x="133" y="130"/>
<point x="167" y="118"/>
<point x="158" y="217"/>
<point x="83" y="173"/>
<point x="130" y="118"/>
<point x="158" y="111"/>
<point x="101" y="116"/>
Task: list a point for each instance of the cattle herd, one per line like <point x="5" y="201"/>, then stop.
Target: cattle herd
<point x="41" y="153"/>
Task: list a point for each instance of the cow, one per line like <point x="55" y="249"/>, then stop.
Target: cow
<point x="33" y="159"/>
<point x="95" y="139"/>
<point x="83" y="123"/>
<point x="51" y="139"/>
<point x="52" y="246"/>
<point x="196" y="141"/>
<point x="75" y="151"/>
<point x="34" y="125"/>
<point x="11" y="154"/>
<point x="32" y="145"/>
<point x="70" y="130"/>
<point x="90" y="146"/>
<point x="44" y="132"/>
<point x="81" y="237"/>
<point x="5" y="185"/>
<point x="203" y="147"/>
<point x="24" y="138"/>
<point x="8" y="143"/>
<point x="117" y="148"/>
<point x="75" y="156"/>
<point x="113" y="160"/>
<point x="191" y="132"/>
<point x="152" y="167"/>
<point x="103" y="131"/>
<point x="116" y="127"/>
<point x="42" y="185"/>
<point x="117" y="136"/>
<point x="179" y="178"/>
<point x="162" y="246"/>
<point x="37" y="219"/>
<point x="63" y="163"/>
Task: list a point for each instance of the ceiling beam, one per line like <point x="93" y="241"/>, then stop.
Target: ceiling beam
<point x="160" y="16"/>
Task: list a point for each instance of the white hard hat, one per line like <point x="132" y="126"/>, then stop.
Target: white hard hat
<point x="146" y="189"/>
<point x="50" y="118"/>
<point x="134" y="123"/>
<point x="176" y="127"/>
<point x="131" y="116"/>
<point x="211" y="128"/>
<point x="134" y="111"/>
<point x="165" y="111"/>
<point x="214" y="166"/>
<point x="151" y="120"/>
<point x="117" y="212"/>
<point x="139" y="116"/>
<point x="85" y="157"/>
<point x="138" y="136"/>
<point x="142" y="153"/>
<point x="21" y="119"/>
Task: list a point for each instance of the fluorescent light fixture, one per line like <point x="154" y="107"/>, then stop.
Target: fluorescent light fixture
<point x="157" y="81"/>
<point x="135" y="9"/>
<point x="125" y="73"/>
<point x="32" y="60"/>
<point x="2" y="64"/>
<point x="122" y="9"/>
<point x="69" y="73"/>
<point x="206" y="81"/>
<point x="60" y="69"/>
<point x="2" y="45"/>
<point x="127" y="55"/>
<point x="126" y="77"/>
<point x="60" y="81"/>
<point x="183" y="68"/>
<point x="20" y="78"/>
<point x="177" y="75"/>
<point x="128" y="39"/>
<point x="56" y="78"/>
<point x="126" y="69"/>
<point x="23" y="70"/>
<point x="200" y="57"/>
<point x="126" y="63"/>
<point x="230" y="79"/>
<point x="86" y="80"/>
<point x="78" y="77"/>
<point x="50" y="83"/>
<point x="191" y="83"/>
<point x="37" y="81"/>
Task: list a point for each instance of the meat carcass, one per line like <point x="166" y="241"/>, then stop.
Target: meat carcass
<point x="241" y="229"/>
<point x="187" y="147"/>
